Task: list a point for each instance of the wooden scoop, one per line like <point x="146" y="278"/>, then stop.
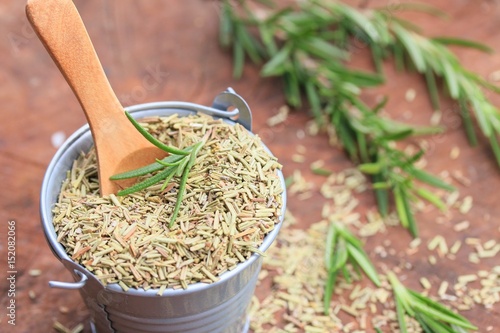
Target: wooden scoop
<point x="120" y="147"/>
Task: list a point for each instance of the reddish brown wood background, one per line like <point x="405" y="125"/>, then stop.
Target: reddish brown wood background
<point x="168" y="50"/>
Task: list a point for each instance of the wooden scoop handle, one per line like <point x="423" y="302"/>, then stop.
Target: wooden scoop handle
<point x="120" y="147"/>
<point x="62" y="32"/>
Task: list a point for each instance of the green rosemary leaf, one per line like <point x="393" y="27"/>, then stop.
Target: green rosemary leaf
<point x="183" y="182"/>
<point x="429" y="179"/>
<point x="380" y="185"/>
<point x="439" y="307"/>
<point x="346" y="274"/>
<point x="267" y="33"/>
<point x="321" y="172"/>
<point x="432" y="198"/>
<point x="168" y="164"/>
<point x="414" y="51"/>
<point x="401" y="293"/>
<point x="408" y="25"/>
<point x="167" y="179"/>
<point x="358" y="78"/>
<point x="370" y="168"/>
<point x="343" y="247"/>
<point x="450" y="76"/>
<point x="330" y="283"/>
<point x="421" y="7"/>
<point x="148" y="182"/>
<point x="495" y="147"/>
<point x="182" y="166"/>
<point x="412" y="224"/>
<point x="331" y="241"/>
<point x="356" y="17"/>
<point x="463" y="42"/>
<point x="481" y="81"/>
<point x="381" y="195"/>
<point x="467" y="121"/>
<point x="396" y="136"/>
<point x="432" y="89"/>
<point x="480" y="109"/>
<point x="440" y="315"/>
<point x="322" y="49"/>
<point x="380" y="105"/>
<point x="180" y="196"/>
<point x="377" y="58"/>
<point x="238" y="59"/>
<point x="399" y="58"/>
<point x="400" y="313"/>
<point x="225" y="25"/>
<point x="458" y="329"/>
<point x="364" y="263"/>
<point x="362" y="147"/>
<point x="171" y="159"/>
<point x="153" y="140"/>
<point x="423" y="324"/>
<point x="292" y="88"/>
<point x="249" y="44"/>
<point x="348" y="236"/>
<point x="378" y="330"/>
<point x="314" y="101"/>
<point x="409" y="161"/>
<point x="432" y="316"/>
<point x="344" y="133"/>
<point x="278" y="64"/>
<point x="432" y="325"/>
<point x="401" y="207"/>
<point x="340" y="255"/>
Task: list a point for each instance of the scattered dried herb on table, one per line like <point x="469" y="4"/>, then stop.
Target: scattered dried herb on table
<point x="232" y="200"/>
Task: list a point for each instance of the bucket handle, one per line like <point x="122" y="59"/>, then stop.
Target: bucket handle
<point x="70" y="285"/>
<point x="228" y="98"/>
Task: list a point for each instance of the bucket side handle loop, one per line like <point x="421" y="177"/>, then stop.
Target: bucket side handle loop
<point x="230" y="98"/>
<point x="70" y="285"/>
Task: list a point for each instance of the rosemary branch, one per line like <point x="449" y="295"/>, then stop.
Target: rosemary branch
<point x="307" y="48"/>
<point x="342" y="247"/>
<point x="431" y="315"/>
<point x="178" y="163"/>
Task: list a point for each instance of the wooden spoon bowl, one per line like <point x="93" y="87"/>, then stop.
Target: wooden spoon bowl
<point x="120" y="147"/>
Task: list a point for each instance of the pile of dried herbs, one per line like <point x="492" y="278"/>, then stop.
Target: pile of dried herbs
<point x="233" y="199"/>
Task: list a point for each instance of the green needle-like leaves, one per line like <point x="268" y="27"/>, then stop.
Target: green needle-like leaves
<point x="178" y="163"/>
<point x="307" y="49"/>
<point x="342" y="247"/>
<point x="153" y="140"/>
<point x="432" y="316"/>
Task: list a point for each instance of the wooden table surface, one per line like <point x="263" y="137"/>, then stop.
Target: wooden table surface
<point x="166" y="50"/>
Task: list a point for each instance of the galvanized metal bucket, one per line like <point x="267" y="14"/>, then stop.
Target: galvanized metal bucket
<point x="218" y="307"/>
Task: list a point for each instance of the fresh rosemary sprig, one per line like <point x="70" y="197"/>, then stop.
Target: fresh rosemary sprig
<point x="387" y="35"/>
<point x="432" y="316"/>
<point x="307" y="46"/>
<point x="178" y="163"/>
<point x="308" y="49"/>
<point x="342" y="247"/>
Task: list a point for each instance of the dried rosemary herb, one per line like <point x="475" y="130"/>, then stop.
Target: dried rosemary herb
<point x="232" y="200"/>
